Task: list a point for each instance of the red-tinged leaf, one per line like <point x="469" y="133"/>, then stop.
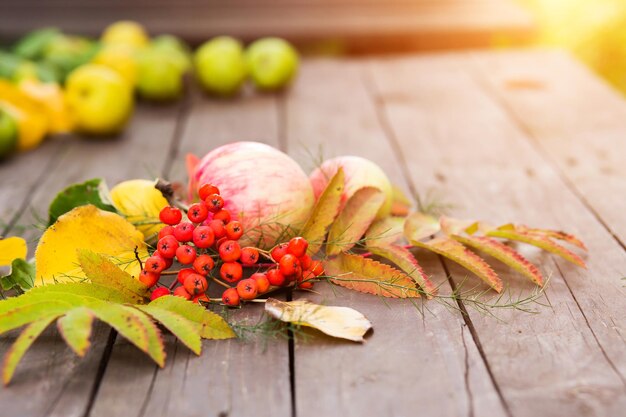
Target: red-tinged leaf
<point x="514" y="233"/>
<point x="458" y="253"/>
<point x="28" y="313"/>
<point x="324" y="213"/>
<point x="386" y="231"/>
<point x="75" y="328"/>
<point x="400" y="204"/>
<point x="558" y="235"/>
<point x="354" y="220"/>
<point x="419" y="226"/>
<point x="185" y="330"/>
<point x="452" y="226"/>
<point x="405" y="260"/>
<point x="21" y="345"/>
<point x="369" y="276"/>
<point x="504" y="254"/>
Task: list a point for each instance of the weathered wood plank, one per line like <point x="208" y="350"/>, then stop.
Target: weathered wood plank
<point x="570" y="358"/>
<point x="410" y="362"/>
<point x="589" y="151"/>
<point x="234" y="377"/>
<point x="52" y="380"/>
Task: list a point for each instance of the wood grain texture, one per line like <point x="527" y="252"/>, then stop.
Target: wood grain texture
<point x="231" y="378"/>
<point x="410" y="362"/>
<point x="52" y="380"/>
<point x="568" y="360"/>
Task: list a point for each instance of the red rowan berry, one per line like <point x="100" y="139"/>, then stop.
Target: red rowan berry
<point x="247" y="289"/>
<point x="201" y="297"/>
<point x="184" y="231"/>
<point x="218" y="228"/>
<point x="231" y="271"/>
<point x="149" y="279"/>
<point x="298" y="246"/>
<point x="206" y="190"/>
<point x="230" y="297"/>
<point x="249" y="256"/>
<point x="196" y="284"/>
<point x="167" y="247"/>
<point x="230" y="251"/>
<point x="182" y="292"/>
<point x="203" y="264"/>
<point x="198" y="212"/>
<point x="170" y="215"/>
<point x="279" y="251"/>
<point x="275" y="277"/>
<point x="220" y="241"/>
<point x="159" y="292"/>
<point x="185" y="254"/>
<point x="317" y="268"/>
<point x="234" y="230"/>
<point x="214" y="203"/>
<point x="263" y="284"/>
<point x="166" y="231"/>
<point x="289" y="265"/>
<point x="203" y="237"/>
<point x="307" y="285"/>
<point x="184" y="273"/>
<point x="223" y="215"/>
<point x="306" y="275"/>
<point x="306" y="262"/>
<point x="155" y="264"/>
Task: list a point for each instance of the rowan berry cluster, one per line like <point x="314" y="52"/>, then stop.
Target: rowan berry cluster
<point x="206" y="244"/>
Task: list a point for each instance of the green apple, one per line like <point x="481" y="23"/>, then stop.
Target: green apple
<point x="159" y="76"/>
<point x="126" y="32"/>
<point x="99" y="99"/>
<point x="8" y="134"/>
<point x="272" y="63"/>
<point x="176" y="48"/>
<point x="220" y="65"/>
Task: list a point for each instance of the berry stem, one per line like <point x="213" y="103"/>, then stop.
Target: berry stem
<point x="223" y="284"/>
<point x="170" y="272"/>
<point x="173" y="284"/>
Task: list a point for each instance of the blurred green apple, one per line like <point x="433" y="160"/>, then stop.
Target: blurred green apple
<point x="176" y="48"/>
<point x="272" y="63"/>
<point x="8" y="134"/>
<point x="159" y="76"/>
<point x="99" y="99"/>
<point x="220" y="65"/>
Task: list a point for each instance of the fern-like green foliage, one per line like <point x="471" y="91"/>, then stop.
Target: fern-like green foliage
<point x="114" y="297"/>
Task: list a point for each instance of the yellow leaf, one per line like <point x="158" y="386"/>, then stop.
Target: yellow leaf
<point x="342" y="322"/>
<point x="141" y="203"/>
<point x="419" y="226"/>
<point x="12" y="248"/>
<point x="86" y="227"/>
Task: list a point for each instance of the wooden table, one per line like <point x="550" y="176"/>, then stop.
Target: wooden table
<point x="531" y="137"/>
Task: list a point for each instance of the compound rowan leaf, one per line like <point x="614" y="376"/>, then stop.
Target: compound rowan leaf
<point x="354" y="220"/>
<point x="75" y="328"/>
<point x="369" y="276"/>
<point x="20" y="346"/>
<point x="28" y="313"/>
<point x="324" y="213"/>
<point x="386" y="231"/>
<point x="504" y="254"/>
<point x="513" y="232"/>
<point x="558" y="235"/>
<point x="100" y="270"/>
<point x="405" y="260"/>
<point x="186" y="331"/>
<point x="458" y="253"/>
<point x="341" y="322"/>
<point x="86" y="227"/>
<point x="211" y="325"/>
<point x="419" y="226"/>
<point x="12" y="248"/>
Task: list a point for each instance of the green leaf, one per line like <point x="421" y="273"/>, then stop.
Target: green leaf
<point x="354" y="220"/>
<point x="183" y="329"/>
<point x="369" y="276"/>
<point x="212" y="326"/>
<point x="33" y="44"/>
<point x="386" y="231"/>
<point x="405" y="260"/>
<point x="324" y="213"/>
<point x="22" y="275"/>
<point x="103" y="272"/>
<point x="21" y="345"/>
<point x="93" y="192"/>
<point x="504" y="254"/>
<point x="26" y="314"/>
<point x="83" y="289"/>
<point x="134" y="326"/>
<point x="75" y="328"/>
<point x="419" y="226"/>
<point x="458" y="253"/>
<point x="513" y="232"/>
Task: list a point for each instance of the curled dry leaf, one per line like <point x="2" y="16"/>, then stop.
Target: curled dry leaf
<point x="87" y="227"/>
<point x="341" y="322"/>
